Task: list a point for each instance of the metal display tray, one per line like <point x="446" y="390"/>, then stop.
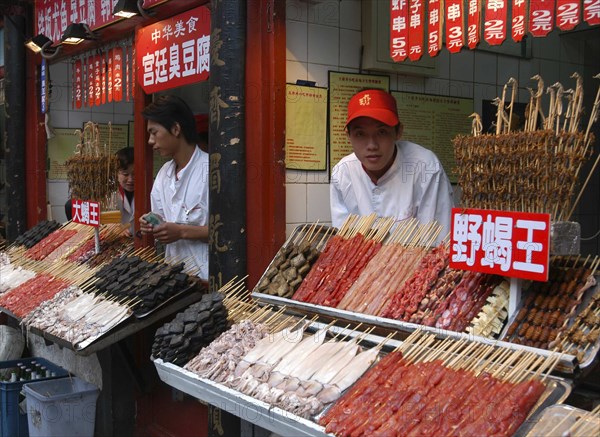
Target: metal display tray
<point x="592" y="353"/>
<point x="285" y="423"/>
<point x="555" y="420"/>
<point x="247" y="408"/>
<point x="566" y="364"/>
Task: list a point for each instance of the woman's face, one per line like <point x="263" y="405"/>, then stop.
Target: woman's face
<point x="125" y="178"/>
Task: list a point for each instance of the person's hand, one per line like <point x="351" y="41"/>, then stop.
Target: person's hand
<point x="167" y="232"/>
<point x="145" y="227"/>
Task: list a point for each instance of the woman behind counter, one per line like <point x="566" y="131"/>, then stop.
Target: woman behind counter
<point x="179" y="196"/>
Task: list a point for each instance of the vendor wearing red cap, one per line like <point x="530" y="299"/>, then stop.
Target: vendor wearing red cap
<point x="385" y="175"/>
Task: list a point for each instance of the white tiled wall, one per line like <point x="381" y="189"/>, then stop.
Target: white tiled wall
<point x="325" y="35"/>
<point x="63" y="115"/>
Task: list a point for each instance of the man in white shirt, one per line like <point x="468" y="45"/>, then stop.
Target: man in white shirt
<point x="384" y="175"/>
<point x="180" y="191"/>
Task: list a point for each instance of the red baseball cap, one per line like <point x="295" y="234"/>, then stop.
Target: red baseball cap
<point x="377" y="104"/>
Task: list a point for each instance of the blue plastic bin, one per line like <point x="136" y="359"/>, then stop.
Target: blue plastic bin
<point x="13" y="422"/>
<point x="61" y="407"/>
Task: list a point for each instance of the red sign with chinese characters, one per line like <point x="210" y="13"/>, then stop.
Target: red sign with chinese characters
<point x="85" y="212"/>
<point x="507" y="243"/>
<point x="494" y="28"/>
<point x="454" y="25"/>
<point x="78" y="84"/>
<point x="398" y="30"/>
<point x="53" y="16"/>
<point x="541" y="17"/>
<point x="90" y="80"/>
<point x="519" y="8"/>
<point x="434" y="40"/>
<point x="174" y="52"/>
<point x="117" y="74"/>
<point x="591" y="12"/>
<point x="567" y="14"/>
<point x="415" y="30"/>
<point x="473" y="19"/>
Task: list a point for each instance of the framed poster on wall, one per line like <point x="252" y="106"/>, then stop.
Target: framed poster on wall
<point x="305" y="128"/>
<point x="342" y="86"/>
<point x="433" y="121"/>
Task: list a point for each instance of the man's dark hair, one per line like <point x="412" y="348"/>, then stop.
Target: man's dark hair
<point x="125" y="157"/>
<point x="167" y="110"/>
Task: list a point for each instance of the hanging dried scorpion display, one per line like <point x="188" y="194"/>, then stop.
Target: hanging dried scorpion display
<point x="92" y="170"/>
<point x="534" y="170"/>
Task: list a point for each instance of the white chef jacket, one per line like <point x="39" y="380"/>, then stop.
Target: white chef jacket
<point x="183" y="198"/>
<point x="125" y="207"/>
<point x="414" y="186"/>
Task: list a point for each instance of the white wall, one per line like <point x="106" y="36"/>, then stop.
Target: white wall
<point x="62" y="115"/>
<point x="325" y="35"/>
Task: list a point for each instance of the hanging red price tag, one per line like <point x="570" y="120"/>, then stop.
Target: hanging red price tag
<point x="434" y="28"/>
<point x="567" y="14"/>
<point x="118" y="74"/>
<point x="494" y="31"/>
<point x="103" y="80"/>
<point x="77" y="84"/>
<point x="519" y="9"/>
<point x="97" y="81"/>
<point x="109" y="74"/>
<point x="398" y="30"/>
<point x="415" y="30"/>
<point x="90" y="81"/>
<point x="454" y="25"/>
<point x="591" y="12"/>
<point x="541" y="17"/>
<point x="473" y="20"/>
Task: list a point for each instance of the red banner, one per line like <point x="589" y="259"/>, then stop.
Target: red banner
<point x="415" y="30"/>
<point x="568" y="14"/>
<point x="398" y="30"/>
<point x="434" y="29"/>
<point x="541" y="17"/>
<point x="519" y="10"/>
<point x="85" y="212"/>
<point x="91" y="82"/>
<point x="104" y="74"/>
<point x="53" y="16"/>
<point x="454" y="25"/>
<point x="494" y="28"/>
<point x="473" y="20"/>
<point x="78" y="84"/>
<point x="506" y="243"/>
<point x="174" y="52"/>
<point x="591" y="12"/>
<point x="117" y="74"/>
<point x="109" y="76"/>
<point x="97" y="80"/>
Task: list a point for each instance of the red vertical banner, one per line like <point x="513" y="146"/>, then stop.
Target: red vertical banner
<point x="127" y="73"/>
<point x="494" y="28"/>
<point x="103" y="82"/>
<point x="77" y="84"/>
<point x="568" y="13"/>
<point x="434" y="27"/>
<point x="415" y="30"/>
<point x="398" y="30"/>
<point x="117" y="74"/>
<point x="97" y="80"/>
<point x="454" y="25"/>
<point x="73" y="85"/>
<point x="91" y="80"/>
<point x="541" y="17"/>
<point x="473" y="23"/>
<point x="109" y="76"/>
<point x="133" y="72"/>
<point x="591" y="12"/>
<point x="519" y="11"/>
